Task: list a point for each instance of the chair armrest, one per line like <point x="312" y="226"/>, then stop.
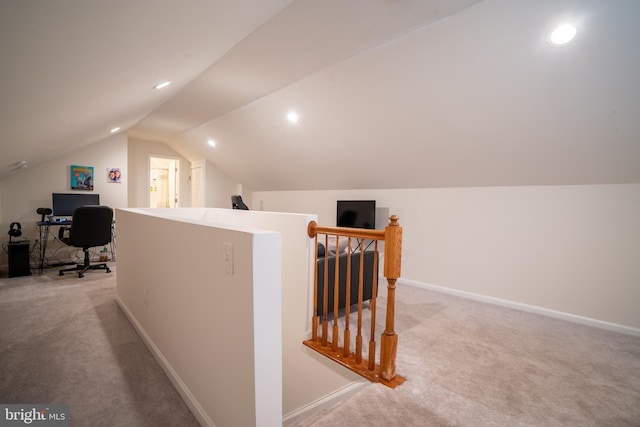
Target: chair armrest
<point x="61" y="233"/>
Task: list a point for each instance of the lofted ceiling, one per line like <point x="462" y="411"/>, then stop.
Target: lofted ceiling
<point x="390" y="93"/>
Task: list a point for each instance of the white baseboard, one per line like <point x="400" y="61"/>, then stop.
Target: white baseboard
<point x="196" y="408"/>
<point x="177" y="382"/>
<point x="628" y="330"/>
<point x="323" y="402"/>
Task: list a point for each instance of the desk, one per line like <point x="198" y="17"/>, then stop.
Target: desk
<point x="43" y="229"/>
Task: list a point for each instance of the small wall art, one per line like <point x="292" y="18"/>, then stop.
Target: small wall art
<point x="81" y="177"/>
<point x="114" y="175"/>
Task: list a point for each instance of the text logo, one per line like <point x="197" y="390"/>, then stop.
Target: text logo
<point x="42" y="415"/>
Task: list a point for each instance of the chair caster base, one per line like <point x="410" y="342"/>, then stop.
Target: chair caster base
<point x="81" y="269"/>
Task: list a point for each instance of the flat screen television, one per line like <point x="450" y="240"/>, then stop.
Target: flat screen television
<point x="63" y="204"/>
<point x="356" y="214"/>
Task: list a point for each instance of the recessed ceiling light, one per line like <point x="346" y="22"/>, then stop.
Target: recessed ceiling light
<point x="114" y="130"/>
<point x="293" y="117"/>
<point x="562" y="34"/>
<point x="212" y="143"/>
<point x="162" y="85"/>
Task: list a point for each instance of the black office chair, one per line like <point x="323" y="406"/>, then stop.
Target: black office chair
<point x="90" y="227"/>
<point x="237" y="203"/>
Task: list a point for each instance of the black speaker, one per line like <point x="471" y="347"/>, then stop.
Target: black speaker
<point x="43" y="212"/>
<point x="19" y="259"/>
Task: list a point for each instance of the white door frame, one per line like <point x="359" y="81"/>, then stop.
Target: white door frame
<point x="173" y="164"/>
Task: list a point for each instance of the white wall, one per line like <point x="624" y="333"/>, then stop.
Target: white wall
<point x="28" y="189"/>
<point x="307" y="377"/>
<point x="212" y="330"/>
<point x="139" y="152"/>
<point x="218" y="187"/>
<point x="571" y="249"/>
<point x="212" y="187"/>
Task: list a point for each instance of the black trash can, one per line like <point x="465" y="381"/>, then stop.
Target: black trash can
<point x="19" y="259"/>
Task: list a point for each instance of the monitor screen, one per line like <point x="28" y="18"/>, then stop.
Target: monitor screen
<point x="356" y="214"/>
<point x="63" y="204"/>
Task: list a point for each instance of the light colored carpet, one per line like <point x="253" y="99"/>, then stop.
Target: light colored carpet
<point x="469" y="363"/>
<point x="65" y="340"/>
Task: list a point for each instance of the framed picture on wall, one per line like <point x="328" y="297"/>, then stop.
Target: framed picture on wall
<point x="81" y="177"/>
<point x="114" y="175"/>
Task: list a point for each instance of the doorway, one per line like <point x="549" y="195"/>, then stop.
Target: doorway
<point x="164" y="188"/>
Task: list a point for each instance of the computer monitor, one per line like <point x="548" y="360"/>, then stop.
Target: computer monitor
<point x="63" y="204"/>
<point x="356" y="213"/>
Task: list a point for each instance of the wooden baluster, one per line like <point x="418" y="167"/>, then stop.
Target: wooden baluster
<point x="346" y="349"/>
<point x="360" y="285"/>
<point x="336" y="294"/>
<point x="314" y="319"/>
<point x="325" y="289"/>
<point x="374" y="292"/>
<point x="392" y="263"/>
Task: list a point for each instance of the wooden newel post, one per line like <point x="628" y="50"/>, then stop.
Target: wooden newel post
<point x="311" y="229"/>
<point x="392" y="262"/>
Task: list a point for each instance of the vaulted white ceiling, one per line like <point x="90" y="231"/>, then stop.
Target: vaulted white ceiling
<point x="390" y="93"/>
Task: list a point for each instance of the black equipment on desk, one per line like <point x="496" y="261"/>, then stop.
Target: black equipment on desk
<point x="65" y="203"/>
<point x="15" y="230"/>
<point x="44" y="212"/>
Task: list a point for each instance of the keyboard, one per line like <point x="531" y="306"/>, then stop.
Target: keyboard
<point x="54" y="220"/>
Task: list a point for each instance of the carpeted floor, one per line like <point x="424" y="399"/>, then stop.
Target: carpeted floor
<point x="469" y="363"/>
<point x="64" y="340"/>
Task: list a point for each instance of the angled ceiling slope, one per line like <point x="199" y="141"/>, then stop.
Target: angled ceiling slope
<point x="305" y="37"/>
<point x="391" y="93"/>
<point x="478" y="98"/>
<point x="74" y="69"/>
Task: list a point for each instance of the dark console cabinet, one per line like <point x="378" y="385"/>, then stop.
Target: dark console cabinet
<point x="19" y="259"/>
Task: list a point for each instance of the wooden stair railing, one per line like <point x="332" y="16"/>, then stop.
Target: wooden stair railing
<point x="385" y="372"/>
